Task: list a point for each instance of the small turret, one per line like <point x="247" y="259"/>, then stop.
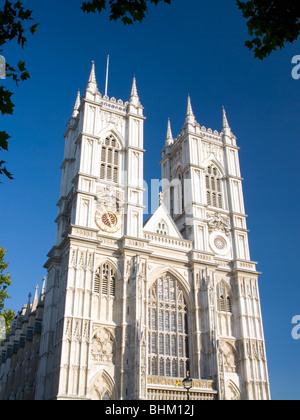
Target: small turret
<point x="134" y="105"/>
<point x="169" y="138"/>
<point x="228" y="137"/>
<point x="76" y="106"/>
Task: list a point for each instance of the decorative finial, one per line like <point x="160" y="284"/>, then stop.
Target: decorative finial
<point x="92" y="83"/>
<point x="92" y="78"/>
<point x="169" y="138"/>
<point x="160" y="198"/>
<point x="134" y="88"/>
<point x="35" y="299"/>
<point x="189" y="107"/>
<point x="190" y="117"/>
<point x="134" y="97"/>
<point x="225" y="121"/>
<point x="43" y="291"/>
<point x="225" y="126"/>
<point x="77" y="105"/>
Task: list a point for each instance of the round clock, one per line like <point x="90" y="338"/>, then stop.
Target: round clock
<point x="108" y="221"/>
<point x="219" y="243"/>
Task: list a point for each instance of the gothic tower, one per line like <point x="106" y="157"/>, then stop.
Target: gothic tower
<point x="132" y="308"/>
<point x="101" y="204"/>
<point x="202" y="191"/>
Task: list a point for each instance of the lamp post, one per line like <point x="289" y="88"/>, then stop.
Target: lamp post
<point x="187" y="384"/>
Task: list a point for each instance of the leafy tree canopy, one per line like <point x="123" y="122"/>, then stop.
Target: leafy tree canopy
<point x="271" y="24"/>
<point x="128" y="11"/>
<point x="5" y="281"/>
<point x="13" y="20"/>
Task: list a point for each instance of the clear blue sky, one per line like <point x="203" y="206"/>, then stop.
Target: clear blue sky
<point x="191" y="47"/>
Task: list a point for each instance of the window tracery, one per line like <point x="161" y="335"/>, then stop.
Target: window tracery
<point x="109" y="160"/>
<point x="105" y="281"/>
<point x="168" y="329"/>
<point x="213" y="187"/>
<point x="224" y="299"/>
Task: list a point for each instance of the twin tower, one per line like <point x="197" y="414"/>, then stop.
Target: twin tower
<point x="131" y="306"/>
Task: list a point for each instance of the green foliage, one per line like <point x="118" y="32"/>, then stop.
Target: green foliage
<point x="271" y="24"/>
<point x="128" y="11"/>
<point x="9" y="315"/>
<point x="5" y="281"/>
<point x="13" y="20"/>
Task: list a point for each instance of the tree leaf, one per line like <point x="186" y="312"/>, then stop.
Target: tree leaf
<point x="3" y="140"/>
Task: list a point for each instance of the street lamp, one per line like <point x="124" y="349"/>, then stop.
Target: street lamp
<point x="188" y="384"/>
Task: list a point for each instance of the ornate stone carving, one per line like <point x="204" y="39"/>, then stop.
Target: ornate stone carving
<point x="219" y="223"/>
<point x="103" y="345"/>
<point x="232" y="392"/>
<point x="230" y="356"/>
<point x="109" y="198"/>
<point x="103" y="388"/>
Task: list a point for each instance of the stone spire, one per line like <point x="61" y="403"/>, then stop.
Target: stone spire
<point x="134" y="88"/>
<point x="28" y="308"/>
<point x="190" y="117"/>
<point x="134" y="104"/>
<point x="225" y="120"/>
<point x="92" y="83"/>
<point x="225" y="126"/>
<point x="76" y="106"/>
<point x="92" y="78"/>
<point x="43" y="291"/>
<point x="35" y="299"/>
<point x="169" y="138"/>
<point x="134" y="97"/>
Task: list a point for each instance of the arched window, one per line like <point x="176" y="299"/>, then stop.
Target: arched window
<point x="213" y="187"/>
<point x="162" y="228"/>
<point x="168" y="329"/>
<point x="224" y="301"/>
<point x="109" y="160"/>
<point x="105" y="281"/>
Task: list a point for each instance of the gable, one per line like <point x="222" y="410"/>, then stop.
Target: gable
<point x="161" y="223"/>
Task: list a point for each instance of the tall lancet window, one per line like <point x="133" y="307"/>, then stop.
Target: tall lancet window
<point x="109" y="160"/>
<point x="214" y="187"/>
<point x="105" y="281"/>
<point x="168" y="329"/>
<point x="224" y="302"/>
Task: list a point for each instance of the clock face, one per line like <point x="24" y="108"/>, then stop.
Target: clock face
<point x="108" y="221"/>
<point x="219" y="243"/>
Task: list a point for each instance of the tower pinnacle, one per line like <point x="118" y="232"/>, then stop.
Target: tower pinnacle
<point x="134" y="93"/>
<point x="92" y="83"/>
<point x="190" y="117"/>
<point x="35" y="299"/>
<point x="134" y="97"/>
<point x="225" y="126"/>
<point x="169" y="138"/>
<point x="77" y="105"/>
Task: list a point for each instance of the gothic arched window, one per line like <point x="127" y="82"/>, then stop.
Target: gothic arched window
<point x="161" y="228"/>
<point x="224" y="301"/>
<point x="105" y="281"/>
<point x="109" y="160"/>
<point x="213" y="187"/>
<point x="168" y="329"/>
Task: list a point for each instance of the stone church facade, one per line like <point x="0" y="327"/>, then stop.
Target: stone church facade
<point x="131" y="308"/>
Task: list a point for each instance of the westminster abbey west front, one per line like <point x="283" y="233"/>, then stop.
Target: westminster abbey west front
<point x="131" y="307"/>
